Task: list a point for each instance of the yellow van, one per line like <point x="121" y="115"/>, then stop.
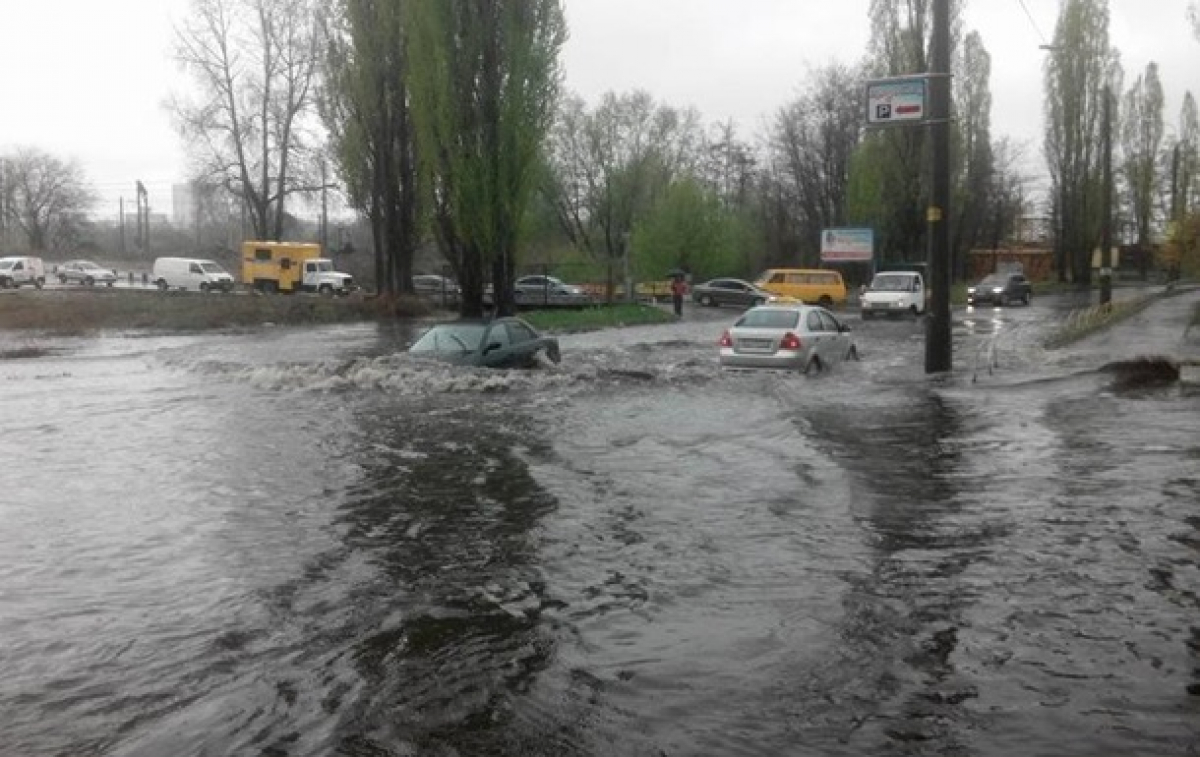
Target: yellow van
<point x="818" y="286"/>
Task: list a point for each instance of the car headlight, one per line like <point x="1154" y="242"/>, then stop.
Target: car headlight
<point x="970" y="290"/>
<point x="997" y="290"/>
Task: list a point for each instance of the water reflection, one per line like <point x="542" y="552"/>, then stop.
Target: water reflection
<point x="450" y="632"/>
<point x="904" y="617"/>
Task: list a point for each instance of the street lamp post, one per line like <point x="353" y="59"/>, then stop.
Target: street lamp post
<point x="1106" y="263"/>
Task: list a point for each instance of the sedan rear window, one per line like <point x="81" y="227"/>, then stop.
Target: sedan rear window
<point x="770" y="319"/>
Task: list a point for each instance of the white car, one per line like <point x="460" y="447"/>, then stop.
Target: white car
<point x="85" y="272"/>
<point x="894" y="293"/>
<point x="804" y="338"/>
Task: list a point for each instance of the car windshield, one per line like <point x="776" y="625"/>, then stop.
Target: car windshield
<point x="891" y="283"/>
<point x="450" y="338"/>
<point x="770" y="319"/>
<point x="211" y="268"/>
<point x="6" y="264"/>
<point x="993" y="281"/>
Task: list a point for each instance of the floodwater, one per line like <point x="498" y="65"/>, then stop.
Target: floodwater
<point x="303" y="543"/>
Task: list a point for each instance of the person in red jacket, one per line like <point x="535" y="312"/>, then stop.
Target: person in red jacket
<point x="678" y="290"/>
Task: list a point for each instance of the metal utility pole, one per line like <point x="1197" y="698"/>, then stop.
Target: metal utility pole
<point x="938" y="336"/>
<point x="1106" y="272"/>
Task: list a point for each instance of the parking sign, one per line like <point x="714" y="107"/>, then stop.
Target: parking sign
<point x="896" y="101"/>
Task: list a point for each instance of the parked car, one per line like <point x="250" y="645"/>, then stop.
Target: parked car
<point x="536" y="290"/>
<point x="18" y="270"/>
<point x="85" y="272"/>
<point x="506" y="342"/>
<point x="1001" y="289"/>
<point x="442" y="289"/>
<point x="791" y="337"/>
<point x="720" y="292"/>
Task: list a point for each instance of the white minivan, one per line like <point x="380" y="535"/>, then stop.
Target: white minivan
<point x="19" y="270"/>
<point x="191" y="273"/>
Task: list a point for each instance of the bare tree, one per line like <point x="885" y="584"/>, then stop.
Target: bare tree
<point x="811" y="144"/>
<point x="255" y="65"/>
<point x="609" y="166"/>
<point x="45" y="198"/>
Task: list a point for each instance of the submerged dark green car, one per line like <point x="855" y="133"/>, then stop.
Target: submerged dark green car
<point x="506" y="342"/>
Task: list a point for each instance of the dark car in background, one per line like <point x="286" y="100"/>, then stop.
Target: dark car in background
<point x="734" y="292"/>
<point x="506" y="342"/>
<point x="1000" y="289"/>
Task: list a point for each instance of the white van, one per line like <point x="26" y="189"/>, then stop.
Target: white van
<point x="191" y="273"/>
<point x="15" y="271"/>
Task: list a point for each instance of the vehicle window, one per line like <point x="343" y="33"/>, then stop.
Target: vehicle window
<point x="519" y="332"/>
<point x="992" y="280"/>
<point x="779" y="278"/>
<point x="450" y="338"/>
<point x="262" y="255"/>
<point x="211" y="268"/>
<point x="498" y="334"/>
<point x="796" y="278"/>
<point x="770" y="319"/>
<point x="20" y="266"/>
<point x="193" y="268"/>
<point x="813" y="321"/>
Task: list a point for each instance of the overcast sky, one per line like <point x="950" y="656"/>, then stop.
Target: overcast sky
<point x="87" y="79"/>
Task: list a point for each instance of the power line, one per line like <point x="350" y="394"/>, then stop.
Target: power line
<point x="1032" y="23"/>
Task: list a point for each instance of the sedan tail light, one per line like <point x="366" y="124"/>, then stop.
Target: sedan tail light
<point x="789" y="342"/>
<point x="726" y="340"/>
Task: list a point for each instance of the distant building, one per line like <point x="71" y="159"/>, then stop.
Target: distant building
<point x="183" y="205"/>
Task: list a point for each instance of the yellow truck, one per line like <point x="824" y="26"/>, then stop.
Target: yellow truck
<point x="291" y="267"/>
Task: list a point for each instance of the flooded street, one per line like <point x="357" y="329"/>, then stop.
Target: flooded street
<point x="290" y="542"/>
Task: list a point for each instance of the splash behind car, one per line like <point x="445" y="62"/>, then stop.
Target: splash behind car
<point x="790" y="337"/>
<point x="506" y="342"/>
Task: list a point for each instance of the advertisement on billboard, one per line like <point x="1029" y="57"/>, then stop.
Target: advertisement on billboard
<point x="847" y="245"/>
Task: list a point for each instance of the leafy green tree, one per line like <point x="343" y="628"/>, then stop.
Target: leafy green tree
<point x="901" y="44"/>
<point x="1141" y="143"/>
<point x="690" y="229"/>
<point x="1081" y="72"/>
<point x="367" y="111"/>
<point x="485" y="80"/>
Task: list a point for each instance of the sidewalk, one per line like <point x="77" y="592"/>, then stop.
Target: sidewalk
<point x="1162" y="330"/>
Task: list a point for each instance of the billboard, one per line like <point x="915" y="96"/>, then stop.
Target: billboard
<point x="847" y="245"/>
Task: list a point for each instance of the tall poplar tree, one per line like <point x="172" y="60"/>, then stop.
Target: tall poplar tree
<point x="366" y="109"/>
<point x="1141" y="145"/>
<point x="1081" y="71"/>
<point x="485" y="81"/>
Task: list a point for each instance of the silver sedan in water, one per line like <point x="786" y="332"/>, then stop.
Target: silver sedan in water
<point x="792" y="337"/>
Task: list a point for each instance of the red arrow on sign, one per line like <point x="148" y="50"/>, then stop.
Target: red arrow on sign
<point x="905" y="109"/>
